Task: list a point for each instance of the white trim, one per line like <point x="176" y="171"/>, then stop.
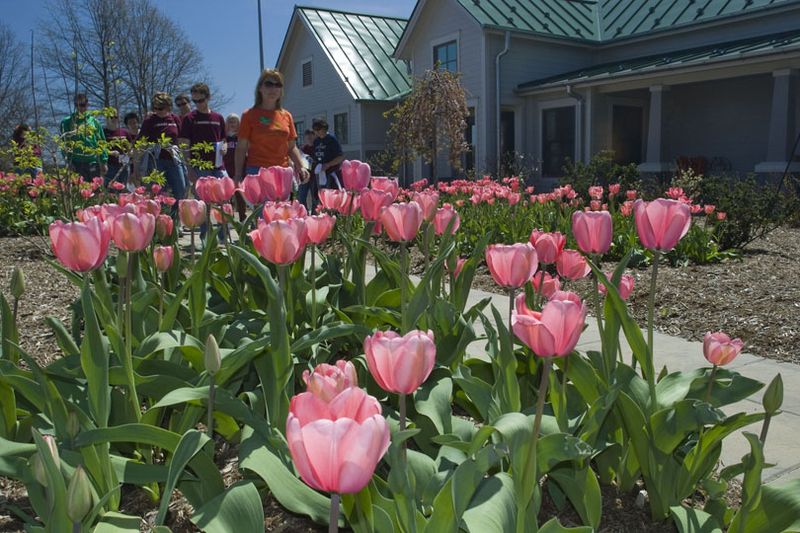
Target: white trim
<point x="553" y="104"/>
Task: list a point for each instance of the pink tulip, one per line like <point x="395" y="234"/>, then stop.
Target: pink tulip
<point x="333" y="199"/>
<point x="162" y="257"/>
<point x="443" y="217"/>
<point x="192" y="212"/>
<point x="630" y="194"/>
<point x="572" y="265"/>
<point x="254" y="189"/>
<point x="214" y="190"/>
<point x="721" y="215"/>
<point x="512" y="265"/>
<point x="548" y="245"/>
<point x="372" y="201"/>
<point x="400" y="364"/>
<point x="80" y="246"/>
<point x="549" y="286"/>
<point x="428" y="201"/>
<point x="382" y="183"/>
<point x="276" y="182"/>
<point x="625" y="286"/>
<point x="613" y="189"/>
<point x="719" y="349"/>
<point x="220" y="215"/>
<point x="459" y="265"/>
<point x="709" y="208"/>
<point x="148" y="206"/>
<point x="355" y="175"/>
<point x="280" y="241"/>
<point x="555" y="330"/>
<point x="513" y="198"/>
<point x="661" y="223"/>
<point x="327" y="381"/>
<point x="109" y="211"/>
<point x="164" y="226"/>
<point x="319" y="227"/>
<point x="592" y="231"/>
<point x="596" y="192"/>
<point x="133" y="233"/>
<point x="283" y="210"/>
<point x="336" y="445"/>
<point x="402" y="221"/>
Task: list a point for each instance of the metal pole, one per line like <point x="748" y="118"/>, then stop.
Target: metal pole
<point x="33" y="90"/>
<point x="260" y="37"/>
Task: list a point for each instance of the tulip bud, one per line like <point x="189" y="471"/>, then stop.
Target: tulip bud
<point x="17" y="283"/>
<point x="73" y="425"/>
<point x="37" y="462"/>
<point x="773" y="396"/>
<point x="213" y="359"/>
<point x="79" y="496"/>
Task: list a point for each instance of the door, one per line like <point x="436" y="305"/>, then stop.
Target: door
<point x="626" y="134"/>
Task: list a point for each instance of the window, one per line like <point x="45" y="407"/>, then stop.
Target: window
<point x="340" y="128"/>
<point x="446" y="55"/>
<point x="307" y="74"/>
<point x="300" y="127"/>
<point x="558" y="139"/>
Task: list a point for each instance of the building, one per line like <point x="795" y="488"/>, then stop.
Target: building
<point x="653" y="80"/>
<point x="339" y="66"/>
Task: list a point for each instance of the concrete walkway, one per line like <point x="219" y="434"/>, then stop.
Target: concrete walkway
<point x="781" y="448"/>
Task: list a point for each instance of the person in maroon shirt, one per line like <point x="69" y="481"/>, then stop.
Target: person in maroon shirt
<point x="232" y="123"/>
<point x="120" y="141"/>
<point x="167" y="159"/>
<point x="203" y="125"/>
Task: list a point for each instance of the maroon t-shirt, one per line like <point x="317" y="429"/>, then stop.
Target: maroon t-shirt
<point x="203" y="127"/>
<point x="153" y="126"/>
<point x="230" y="155"/>
<point x="117" y="134"/>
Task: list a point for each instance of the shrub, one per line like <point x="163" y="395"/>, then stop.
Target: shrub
<point x="600" y="170"/>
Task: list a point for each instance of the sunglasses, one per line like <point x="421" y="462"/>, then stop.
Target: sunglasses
<point x="181" y="103"/>
<point x="270" y="84"/>
<point x="200" y="101"/>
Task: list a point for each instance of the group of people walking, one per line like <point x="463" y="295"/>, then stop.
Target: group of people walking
<point x="264" y="136"/>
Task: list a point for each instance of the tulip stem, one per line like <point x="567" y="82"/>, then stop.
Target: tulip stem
<point x="608" y="359"/>
<point x="650" y="370"/>
<point x="402" y="402"/>
<point x="127" y="358"/>
<point x="161" y="300"/>
<point x="192" y="246"/>
<point x="710" y="384"/>
<point x="313" y="287"/>
<point x="211" y="394"/>
<point x="540" y="291"/>
<point x="531" y="468"/>
<point x="333" y="522"/>
<point x="283" y="271"/>
<point x="403" y="286"/>
<point x="511" y="292"/>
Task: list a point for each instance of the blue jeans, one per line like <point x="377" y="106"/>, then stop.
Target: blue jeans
<point x="176" y="180"/>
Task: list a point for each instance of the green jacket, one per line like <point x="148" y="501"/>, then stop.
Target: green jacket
<point x="86" y="139"/>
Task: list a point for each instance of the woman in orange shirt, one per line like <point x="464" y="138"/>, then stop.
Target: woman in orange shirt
<point x="266" y="134"/>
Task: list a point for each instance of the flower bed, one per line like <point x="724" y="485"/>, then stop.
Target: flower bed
<point x="226" y="340"/>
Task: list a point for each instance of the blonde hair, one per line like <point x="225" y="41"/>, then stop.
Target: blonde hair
<point x="233" y="116"/>
<point x="161" y="99"/>
<point x="273" y="74"/>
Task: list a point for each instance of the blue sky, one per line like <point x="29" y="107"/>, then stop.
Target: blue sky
<point x="226" y="32"/>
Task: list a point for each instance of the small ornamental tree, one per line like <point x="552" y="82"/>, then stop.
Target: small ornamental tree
<point x="433" y="115"/>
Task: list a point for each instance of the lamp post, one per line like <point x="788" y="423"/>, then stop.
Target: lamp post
<point x="260" y="38"/>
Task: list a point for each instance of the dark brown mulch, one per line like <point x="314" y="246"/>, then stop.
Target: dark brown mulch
<point x="755" y="297"/>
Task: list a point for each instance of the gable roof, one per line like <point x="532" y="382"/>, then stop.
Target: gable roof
<point x="606" y="20"/>
<point x="779" y="43"/>
<point x="359" y="48"/>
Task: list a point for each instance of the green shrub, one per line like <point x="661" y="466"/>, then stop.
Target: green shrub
<point x="600" y="170"/>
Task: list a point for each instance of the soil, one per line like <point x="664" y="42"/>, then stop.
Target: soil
<point x="755" y="297"/>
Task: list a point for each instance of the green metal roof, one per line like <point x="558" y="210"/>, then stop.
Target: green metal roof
<point x="360" y="48"/>
<point x="734" y="50"/>
<point x="606" y="20"/>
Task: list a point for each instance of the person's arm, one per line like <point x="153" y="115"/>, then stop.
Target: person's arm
<point x="239" y="157"/>
<point x="297" y="158"/>
<point x="333" y="162"/>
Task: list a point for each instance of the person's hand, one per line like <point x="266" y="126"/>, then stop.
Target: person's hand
<point x="304" y="175"/>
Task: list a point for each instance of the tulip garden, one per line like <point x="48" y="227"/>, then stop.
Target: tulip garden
<point x="361" y="396"/>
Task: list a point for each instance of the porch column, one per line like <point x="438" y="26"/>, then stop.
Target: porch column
<point x="781" y="123"/>
<point x="653" y="161"/>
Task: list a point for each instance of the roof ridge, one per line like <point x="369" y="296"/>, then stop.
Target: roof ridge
<point x="344" y="12"/>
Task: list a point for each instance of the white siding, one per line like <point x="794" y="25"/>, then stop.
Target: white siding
<point x="327" y="94"/>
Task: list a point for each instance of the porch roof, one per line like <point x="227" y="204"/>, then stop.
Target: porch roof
<point x="768" y="45"/>
<point x="360" y="48"/>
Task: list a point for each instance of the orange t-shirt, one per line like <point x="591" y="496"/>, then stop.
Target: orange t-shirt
<point x="269" y="133"/>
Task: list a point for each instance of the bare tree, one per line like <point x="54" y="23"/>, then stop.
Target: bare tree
<point x="14" y="78"/>
<point x="434" y="114"/>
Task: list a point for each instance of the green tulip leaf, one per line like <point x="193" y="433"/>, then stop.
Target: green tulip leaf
<point x="237" y="509"/>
